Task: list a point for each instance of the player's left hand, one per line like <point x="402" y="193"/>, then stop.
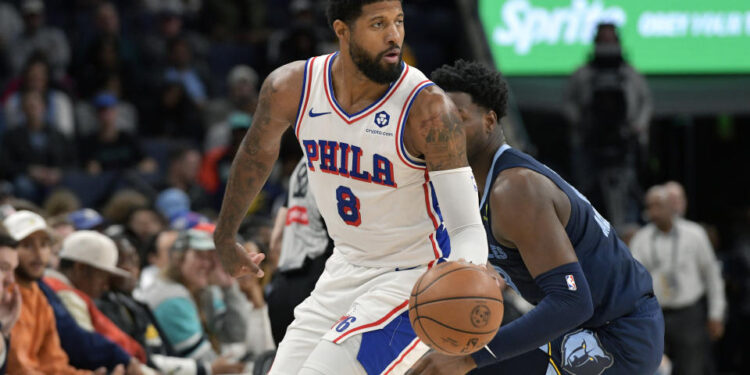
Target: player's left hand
<point x="434" y="363"/>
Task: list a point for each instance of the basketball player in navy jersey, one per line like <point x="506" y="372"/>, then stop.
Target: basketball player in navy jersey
<point x="595" y="311"/>
<point x="383" y="145"/>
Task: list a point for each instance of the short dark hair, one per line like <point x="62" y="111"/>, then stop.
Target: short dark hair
<point x="7" y="241"/>
<point x="485" y="85"/>
<point x="346" y="10"/>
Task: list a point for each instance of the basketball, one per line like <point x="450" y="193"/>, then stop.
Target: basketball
<point x="456" y="308"/>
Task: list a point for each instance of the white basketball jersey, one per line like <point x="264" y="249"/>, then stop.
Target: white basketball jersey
<point x="376" y="199"/>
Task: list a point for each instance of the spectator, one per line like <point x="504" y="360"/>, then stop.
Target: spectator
<point x="686" y="274"/>
<point x="121" y="205"/>
<point x="35" y="344"/>
<point x="259" y="337"/>
<point x="61" y="202"/>
<point x="135" y="318"/>
<point x="37" y="36"/>
<point x="676" y="196"/>
<point x="142" y="224"/>
<point x="181" y="68"/>
<point x="36" y="77"/>
<point x="86" y="219"/>
<point x="182" y="174"/>
<point x="11" y="26"/>
<point x="243" y="97"/>
<point x="172" y="299"/>
<point x="10" y="296"/>
<point x="157" y="259"/>
<point x="170" y="26"/>
<point x="608" y="105"/>
<point x="34" y="155"/>
<point x="110" y="149"/>
<point x="217" y="162"/>
<point x="173" y="115"/>
<point x="87" y="260"/>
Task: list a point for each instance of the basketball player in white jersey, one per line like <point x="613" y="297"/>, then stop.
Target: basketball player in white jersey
<point x="383" y="146"/>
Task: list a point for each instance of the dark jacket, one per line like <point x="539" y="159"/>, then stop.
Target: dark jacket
<point x="86" y="350"/>
<point x="17" y="152"/>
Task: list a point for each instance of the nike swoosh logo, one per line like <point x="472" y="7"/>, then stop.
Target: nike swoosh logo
<point x="313" y="114"/>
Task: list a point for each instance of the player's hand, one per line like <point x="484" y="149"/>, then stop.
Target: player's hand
<point x="237" y="261"/>
<point x="715" y="329"/>
<point x="490" y="269"/>
<point x="434" y="363"/>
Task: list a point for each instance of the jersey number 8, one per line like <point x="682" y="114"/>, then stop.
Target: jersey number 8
<point x="348" y="205"/>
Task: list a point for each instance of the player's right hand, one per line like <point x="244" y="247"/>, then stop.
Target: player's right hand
<point x="238" y="261"/>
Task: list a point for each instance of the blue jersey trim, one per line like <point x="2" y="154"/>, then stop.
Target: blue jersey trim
<point x="333" y="96"/>
<point x="403" y="125"/>
<point x="488" y="182"/>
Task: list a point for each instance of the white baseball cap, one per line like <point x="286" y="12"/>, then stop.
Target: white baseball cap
<point x="23" y="223"/>
<point x="94" y="249"/>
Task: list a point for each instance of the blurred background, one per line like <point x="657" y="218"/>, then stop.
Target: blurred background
<point x="124" y="116"/>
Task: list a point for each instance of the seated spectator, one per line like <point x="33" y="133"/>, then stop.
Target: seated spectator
<point x="181" y="69"/>
<point x="86" y="219"/>
<point x="87" y="260"/>
<point x="33" y="156"/>
<point x="136" y="319"/>
<point x="36" y="77"/>
<point x="174" y="204"/>
<point x="37" y="36"/>
<point x="243" y="97"/>
<point x="61" y="202"/>
<point x="172" y="299"/>
<point x="156" y="259"/>
<point x="10" y="296"/>
<point x="184" y="165"/>
<point x="215" y="168"/>
<point x="35" y="346"/>
<point x="111" y="149"/>
<point x="173" y="115"/>
<point x="142" y="224"/>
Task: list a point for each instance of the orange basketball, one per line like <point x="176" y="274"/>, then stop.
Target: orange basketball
<point x="456" y="308"/>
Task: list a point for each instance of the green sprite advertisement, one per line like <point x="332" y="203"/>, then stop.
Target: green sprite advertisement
<point x="552" y="37"/>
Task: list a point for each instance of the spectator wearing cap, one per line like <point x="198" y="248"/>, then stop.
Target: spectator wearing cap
<point x="10" y="296"/>
<point x="87" y="260"/>
<point x="243" y="97"/>
<point x="33" y="156"/>
<point x="174" y="204"/>
<point x="182" y="174"/>
<point x="173" y="299"/>
<point x="35" y="341"/>
<point x="37" y="36"/>
<point x="110" y="149"/>
<point x="86" y="219"/>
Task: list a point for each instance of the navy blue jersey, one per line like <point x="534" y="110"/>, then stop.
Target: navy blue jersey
<point x="616" y="280"/>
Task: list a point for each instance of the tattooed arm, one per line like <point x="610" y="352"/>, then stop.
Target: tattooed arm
<point x="434" y="130"/>
<point x="253" y="162"/>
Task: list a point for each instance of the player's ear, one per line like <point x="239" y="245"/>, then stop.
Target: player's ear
<point x="489" y="121"/>
<point x="341" y="29"/>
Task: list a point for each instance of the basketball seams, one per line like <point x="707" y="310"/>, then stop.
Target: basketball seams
<point x="416" y="304"/>
<point x="443" y="275"/>
<point x="453" y="328"/>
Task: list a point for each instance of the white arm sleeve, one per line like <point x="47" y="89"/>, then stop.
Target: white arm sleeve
<point x="458" y="199"/>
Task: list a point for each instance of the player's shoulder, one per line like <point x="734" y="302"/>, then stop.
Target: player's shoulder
<point x="521" y="188"/>
<point x="287" y="78"/>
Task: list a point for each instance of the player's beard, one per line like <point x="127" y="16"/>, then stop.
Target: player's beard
<point x="372" y="68"/>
